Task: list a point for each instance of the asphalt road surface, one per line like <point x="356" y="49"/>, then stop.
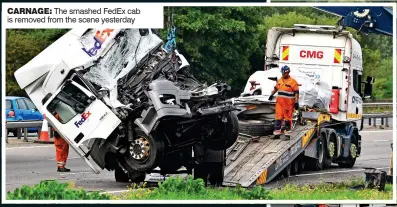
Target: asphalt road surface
<point x="28" y="165"/>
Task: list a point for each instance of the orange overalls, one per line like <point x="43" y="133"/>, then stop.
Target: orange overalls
<point x="287" y="88"/>
<point x="61" y="147"/>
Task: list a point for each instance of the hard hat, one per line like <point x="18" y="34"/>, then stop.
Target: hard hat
<point x="285" y="69"/>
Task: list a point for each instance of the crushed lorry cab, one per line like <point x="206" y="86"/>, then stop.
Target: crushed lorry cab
<point x="126" y="104"/>
<point x="326" y="127"/>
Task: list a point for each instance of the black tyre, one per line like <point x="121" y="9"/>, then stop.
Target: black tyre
<point x="351" y="159"/>
<point x="256" y="127"/>
<point x="216" y="173"/>
<point x="295" y="167"/>
<point x="302" y="163"/>
<point x="120" y="175"/>
<point x="287" y="171"/>
<point x="144" y="152"/>
<point x="318" y="164"/>
<point x="228" y="134"/>
<point x="331" y="148"/>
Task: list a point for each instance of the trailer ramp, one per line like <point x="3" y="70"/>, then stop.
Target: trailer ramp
<point x="249" y="162"/>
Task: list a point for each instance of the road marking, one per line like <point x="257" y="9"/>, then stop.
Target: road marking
<point x="29" y="147"/>
<point x="377" y="131"/>
<point x="74" y="173"/>
<point x="333" y="172"/>
<point x="382" y="140"/>
<point x="71" y="158"/>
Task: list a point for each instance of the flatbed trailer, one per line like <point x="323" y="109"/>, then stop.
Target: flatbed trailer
<point x="250" y="162"/>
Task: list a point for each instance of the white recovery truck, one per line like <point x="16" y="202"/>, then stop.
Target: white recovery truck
<point x="126" y="104"/>
<point x="327" y="65"/>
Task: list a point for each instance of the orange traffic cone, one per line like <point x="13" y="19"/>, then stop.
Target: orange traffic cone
<point x="44" y="136"/>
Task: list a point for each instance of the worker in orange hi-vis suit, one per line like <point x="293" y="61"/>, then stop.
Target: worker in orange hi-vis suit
<point x="287" y="100"/>
<point x="62" y="150"/>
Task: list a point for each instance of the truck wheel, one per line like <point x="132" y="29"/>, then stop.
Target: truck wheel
<point x="318" y="164"/>
<point x="256" y="127"/>
<point x="330" y="148"/>
<point x="216" y="173"/>
<point x="295" y="167"/>
<point x="351" y="159"/>
<point x="145" y="152"/>
<point x="120" y="175"/>
<point x="287" y="171"/>
<point x="228" y="134"/>
<point x="302" y="163"/>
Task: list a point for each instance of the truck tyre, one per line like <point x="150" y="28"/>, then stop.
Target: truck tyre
<point x="120" y="175"/>
<point x="318" y="164"/>
<point x="145" y="152"/>
<point x="295" y="167"/>
<point x="331" y="148"/>
<point x="229" y="134"/>
<point x="256" y="127"/>
<point x="351" y="158"/>
<point x="302" y="163"/>
<point x="287" y="171"/>
<point x="216" y="173"/>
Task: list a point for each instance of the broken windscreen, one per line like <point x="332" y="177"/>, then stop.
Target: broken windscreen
<point x="127" y="51"/>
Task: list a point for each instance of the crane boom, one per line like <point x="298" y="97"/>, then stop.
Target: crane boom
<point x="366" y="19"/>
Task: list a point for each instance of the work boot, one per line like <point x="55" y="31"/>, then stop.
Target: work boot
<point x="277" y="132"/>
<point x="63" y="169"/>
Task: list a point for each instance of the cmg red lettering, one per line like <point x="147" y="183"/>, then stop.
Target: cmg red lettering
<point x="311" y="54"/>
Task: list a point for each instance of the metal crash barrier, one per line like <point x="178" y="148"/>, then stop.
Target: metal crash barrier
<point x="23" y="126"/>
<point x="383" y="117"/>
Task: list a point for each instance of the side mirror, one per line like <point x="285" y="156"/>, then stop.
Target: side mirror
<point x="272" y="78"/>
<point x="143" y="32"/>
<point x="370" y="80"/>
<point x="368" y="87"/>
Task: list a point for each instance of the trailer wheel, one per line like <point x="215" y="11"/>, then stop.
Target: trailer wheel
<point x="256" y="127"/>
<point x="302" y="163"/>
<point x="351" y="158"/>
<point x="295" y="167"/>
<point x="120" y="175"/>
<point x="144" y="152"/>
<point x="287" y="171"/>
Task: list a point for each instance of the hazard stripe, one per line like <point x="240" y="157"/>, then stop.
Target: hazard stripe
<point x="262" y="178"/>
<point x="337" y="55"/>
<point x="285" y="53"/>
<point x="354" y="116"/>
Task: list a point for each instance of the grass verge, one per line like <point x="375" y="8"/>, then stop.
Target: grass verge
<point x="338" y="191"/>
<point x="177" y="189"/>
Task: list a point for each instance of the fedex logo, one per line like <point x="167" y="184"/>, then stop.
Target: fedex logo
<point x="100" y="37"/>
<point x="84" y="117"/>
<point x="311" y="54"/>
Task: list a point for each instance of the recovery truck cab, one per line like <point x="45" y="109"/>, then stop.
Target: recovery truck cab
<point x="323" y="134"/>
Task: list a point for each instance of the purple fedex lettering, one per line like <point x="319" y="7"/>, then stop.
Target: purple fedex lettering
<point x="84" y="117"/>
<point x="99" y="38"/>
